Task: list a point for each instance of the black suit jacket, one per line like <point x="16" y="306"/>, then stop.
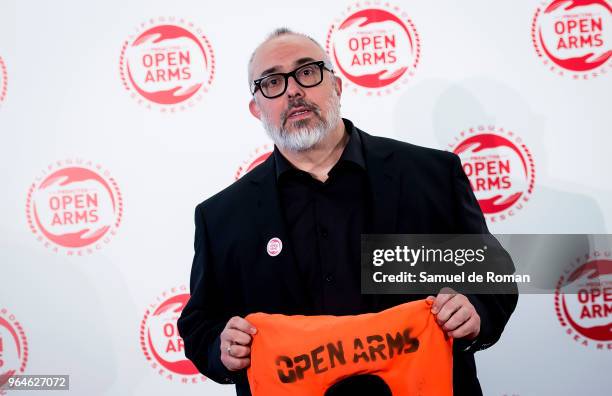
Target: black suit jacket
<point x="414" y="190"/>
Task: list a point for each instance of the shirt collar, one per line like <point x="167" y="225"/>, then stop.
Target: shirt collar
<point x="353" y="152"/>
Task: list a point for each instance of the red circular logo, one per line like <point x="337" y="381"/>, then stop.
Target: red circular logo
<point x="500" y="169"/>
<point x="76" y="205"/>
<point x="257" y="157"/>
<point x="3" y="80"/>
<point x="13" y="347"/>
<point x="574" y="36"/>
<point x="583" y="300"/>
<point x="375" y="49"/>
<point x="168" y="63"/>
<point x="274" y="247"/>
<point x="160" y="341"/>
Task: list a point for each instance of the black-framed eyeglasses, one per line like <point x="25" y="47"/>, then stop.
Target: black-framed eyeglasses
<point x="274" y="85"/>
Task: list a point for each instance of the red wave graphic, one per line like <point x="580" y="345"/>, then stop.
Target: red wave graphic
<point x="370" y="16"/>
<point x="593" y="269"/>
<point x="75" y="174"/>
<point x="179" y="301"/>
<point x="374" y="15"/>
<point x="577" y="63"/>
<point x="167" y="32"/>
<point x="7" y="325"/>
<point x="576" y="3"/>
<point x="598" y="333"/>
<point x="257" y="161"/>
<point x="167" y="97"/>
<point x="70" y="239"/>
<point x="489" y="141"/>
<point x="184" y="367"/>
<point x="490" y="205"/>
<point x="372" y="80"/>
<point x="5" y="377"/>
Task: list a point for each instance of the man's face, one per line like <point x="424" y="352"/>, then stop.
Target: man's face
<point x="300" y="117"/>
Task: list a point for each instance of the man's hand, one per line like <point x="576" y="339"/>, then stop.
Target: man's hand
<point x="455" y="314"/>
<point x="235" y="341"/>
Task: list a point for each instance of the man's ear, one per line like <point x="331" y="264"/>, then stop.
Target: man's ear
<point x="338" y="83"/>
<point x="254" y="108"/>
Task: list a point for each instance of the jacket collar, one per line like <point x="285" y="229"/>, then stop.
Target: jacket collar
<point x="383" y="177"/>
<point x="353" y="152"/>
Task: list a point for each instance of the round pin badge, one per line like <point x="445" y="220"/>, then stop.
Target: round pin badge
<point x="275" y="246"/>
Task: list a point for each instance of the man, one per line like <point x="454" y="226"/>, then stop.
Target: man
<point x="285" y="238"/>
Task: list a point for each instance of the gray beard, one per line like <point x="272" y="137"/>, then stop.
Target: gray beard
<point x="307" y="133"/>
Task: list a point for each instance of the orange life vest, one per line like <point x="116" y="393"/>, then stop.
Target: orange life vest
<point x="305" y="355"/>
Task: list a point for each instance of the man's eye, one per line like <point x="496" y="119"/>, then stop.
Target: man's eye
<point x="307" y="71"/>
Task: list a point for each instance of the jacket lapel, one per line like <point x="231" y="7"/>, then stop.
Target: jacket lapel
<point x="271" y="224"/>
<point x="384" y="184"/>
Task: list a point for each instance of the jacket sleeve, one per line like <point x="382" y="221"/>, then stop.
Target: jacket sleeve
<point x="494" y="309"/>
<point x="204" y="316"/>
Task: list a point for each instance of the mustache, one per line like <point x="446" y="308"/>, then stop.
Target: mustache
<point x="301" y="103"/>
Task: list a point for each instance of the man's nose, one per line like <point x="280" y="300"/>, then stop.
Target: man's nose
<point x="293" y="88"/>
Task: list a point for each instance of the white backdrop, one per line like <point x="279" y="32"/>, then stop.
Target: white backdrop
<point x="62" y="98"/>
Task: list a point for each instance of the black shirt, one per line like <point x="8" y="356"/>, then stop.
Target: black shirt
<point x="325" y="221"/>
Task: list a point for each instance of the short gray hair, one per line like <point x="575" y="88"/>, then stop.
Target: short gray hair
<point x="282" y="31"/>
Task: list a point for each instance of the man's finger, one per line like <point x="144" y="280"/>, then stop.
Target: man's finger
<point x="234" y="364"/>
<point x="236" y="337"/>
<point x="445" y="294"/>
<point x="241" y="324"/>
<point x="462" y="315"/>
<point x="447" y="310"/>
<point x="471" y="328"/>
<point x="239" y="351"/>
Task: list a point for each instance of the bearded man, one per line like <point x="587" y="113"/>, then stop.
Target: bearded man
<point x="285" y="238"/>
